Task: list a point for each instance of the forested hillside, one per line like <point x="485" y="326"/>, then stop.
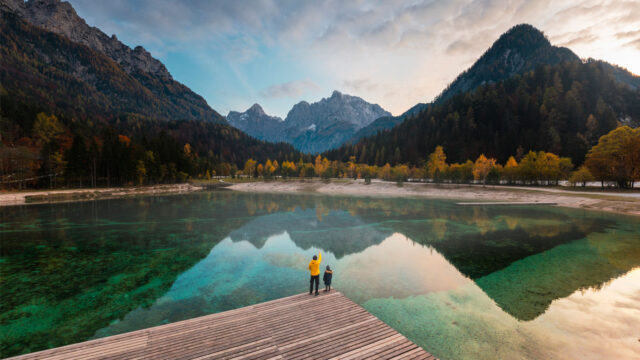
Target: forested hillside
<point x="71" y="116"/>
<point x="562" y="109"/>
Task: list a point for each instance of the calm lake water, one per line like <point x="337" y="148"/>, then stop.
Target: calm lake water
<point x="463" y="282"/>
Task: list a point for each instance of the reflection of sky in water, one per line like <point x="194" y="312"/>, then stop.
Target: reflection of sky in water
<point x="466" y="282"/>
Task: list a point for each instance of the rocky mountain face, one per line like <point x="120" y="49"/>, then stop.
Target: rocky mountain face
<point x="256" y="123"/>
<point x="311" y="128"/>
<point x="133" y="72"/>
<point x="60" y="17"/>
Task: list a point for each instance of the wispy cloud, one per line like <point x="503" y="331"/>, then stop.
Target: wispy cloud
<point x="581" y="39"/>
<point x="634" y="43"/>
<point x="290" y="89"/>
<point x="628" y="34"/>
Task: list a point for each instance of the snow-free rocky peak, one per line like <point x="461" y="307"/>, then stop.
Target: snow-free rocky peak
<point x="311" y="127"/>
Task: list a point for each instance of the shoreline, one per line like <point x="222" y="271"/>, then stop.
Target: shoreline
<point x="9" y="198"/>
<point x="618" y="203"/>
<point x="626" y="204"/>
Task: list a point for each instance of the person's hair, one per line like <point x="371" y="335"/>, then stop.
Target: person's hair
<point x="315" y="257"/>
<point x="328" y="267"/>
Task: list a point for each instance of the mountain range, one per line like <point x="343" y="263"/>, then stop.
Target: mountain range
<point x="311" y="128"/>
<point x="520" y="50"/>
<point x="54" y="62"/>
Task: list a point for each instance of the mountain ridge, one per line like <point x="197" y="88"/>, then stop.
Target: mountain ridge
<point x="136" y="82"/>
<point x="518" y="50"/>
<point x="310" y="127"/>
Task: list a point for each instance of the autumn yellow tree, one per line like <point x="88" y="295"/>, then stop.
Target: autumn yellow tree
<point x="288" y="168"/>
<point x="46" y="128"/>
<point x="249" y="167"/>
<point x="400" y="173"/>
<point x="351" y="168"/>
<point x="482" y="167"/>
<point x="581" y="176"/>
<point x="268" y="168"/>
<point x="437" y="164"/>
<point x="510" y="170"/>
<point x="385" y="172"/>
<point x="616" y="157"/>
<point x="318" y="166"/>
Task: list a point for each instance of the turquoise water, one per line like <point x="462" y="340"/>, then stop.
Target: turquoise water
<point x="463" y="282"/>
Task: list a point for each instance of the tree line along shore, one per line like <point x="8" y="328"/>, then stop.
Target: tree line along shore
<point x="116" y="161"/>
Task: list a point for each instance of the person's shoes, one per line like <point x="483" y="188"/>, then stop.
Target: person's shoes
<point x="325" y="290"/>
<point x="317" y="294"/>
<point x="310" y="293"/>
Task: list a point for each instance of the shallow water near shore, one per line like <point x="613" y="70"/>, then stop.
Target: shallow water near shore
<point x="462" y="282"/>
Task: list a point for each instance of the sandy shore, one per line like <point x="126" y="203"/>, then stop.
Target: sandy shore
<point x="624" y="203"/>
<point x="35" y="197"/>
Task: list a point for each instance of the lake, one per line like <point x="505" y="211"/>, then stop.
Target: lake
<point x="463" y="282"/>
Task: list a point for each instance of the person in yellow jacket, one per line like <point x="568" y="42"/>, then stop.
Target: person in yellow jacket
<point x="314" y="269"/>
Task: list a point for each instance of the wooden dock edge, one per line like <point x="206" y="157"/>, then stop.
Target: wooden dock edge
<point x="329" y="326"/>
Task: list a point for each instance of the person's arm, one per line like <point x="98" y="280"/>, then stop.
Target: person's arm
<point x="319" y="257"/>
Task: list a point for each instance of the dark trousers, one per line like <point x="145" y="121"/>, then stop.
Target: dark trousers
<point x="315" y="279"/>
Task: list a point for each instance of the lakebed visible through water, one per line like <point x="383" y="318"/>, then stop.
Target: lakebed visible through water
<point x="463" y="282"/>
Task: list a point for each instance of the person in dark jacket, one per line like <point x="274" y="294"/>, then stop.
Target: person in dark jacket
<point x="328" y="274"/>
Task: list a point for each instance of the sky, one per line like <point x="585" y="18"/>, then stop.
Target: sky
<point x="393" y="53"/>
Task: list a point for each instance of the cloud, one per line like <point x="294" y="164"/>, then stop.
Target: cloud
<point x="361" y="85"/>
<point x="582" y="39"/>
<point x="627" y="34"/>
<point x="457" y="47"/>
<point x="291" y="89"/>
<point x="634" y="43"/>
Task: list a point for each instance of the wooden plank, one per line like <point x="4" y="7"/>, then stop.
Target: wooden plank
<point x="295" y="327"/>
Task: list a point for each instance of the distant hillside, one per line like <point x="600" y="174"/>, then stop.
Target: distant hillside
<point x="562" y="109"/>
<point x="51" y="56"/>
<point x="311" y="128"/>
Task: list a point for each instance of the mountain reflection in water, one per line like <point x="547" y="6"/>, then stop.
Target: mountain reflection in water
<point x="459" y="281"/>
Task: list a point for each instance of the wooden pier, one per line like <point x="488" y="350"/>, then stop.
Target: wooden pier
<point x="328" y="326"/>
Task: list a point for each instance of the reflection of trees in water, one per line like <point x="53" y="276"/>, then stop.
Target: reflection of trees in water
<point x="526" y="289"/>
<point x="477" y="240"/>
